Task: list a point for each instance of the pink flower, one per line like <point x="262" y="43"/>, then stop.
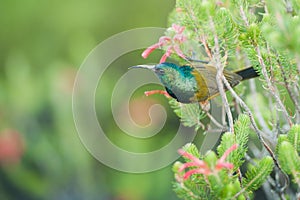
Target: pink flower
<point x="178" y="29"/>
<point x="162" y="41"/>
<point x="11" y="147"/>
<point x="221" y="162"/>
<point x="172" y="44"/>
<point x="148" y="93"/>
<point x="201" y="167"/>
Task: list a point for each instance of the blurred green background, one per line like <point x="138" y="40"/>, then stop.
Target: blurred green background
<point x="43" y="43"/>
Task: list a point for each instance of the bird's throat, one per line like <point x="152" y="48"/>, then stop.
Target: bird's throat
<point x="182" y="87"/>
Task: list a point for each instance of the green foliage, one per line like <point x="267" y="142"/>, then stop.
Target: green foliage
<point x="221" y="183"/>
<point x="228" y="139"/>
<point x="241" y="27"/>
<point x="257" y="175"/>
<point x="294" y="137"/>
<point x="283" y="24"/>
<point x="281" y="139"/>
<point x="265" y="35"/>
<point x="289" y="160"/>
<point x="189" y="114"/>
<point x="240" y="137"/>
<point x="192" y="149"/>
<point x="288" y="153"/>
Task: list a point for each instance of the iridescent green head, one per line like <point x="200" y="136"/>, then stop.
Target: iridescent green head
<point x="179" y="82"/>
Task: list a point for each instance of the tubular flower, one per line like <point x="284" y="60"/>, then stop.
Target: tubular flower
<point x="172" y="44"/>
<point x="148" y="93"/>
<point x="201" y="167"/>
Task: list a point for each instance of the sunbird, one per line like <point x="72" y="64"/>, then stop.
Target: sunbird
<point x="196" y="82"/>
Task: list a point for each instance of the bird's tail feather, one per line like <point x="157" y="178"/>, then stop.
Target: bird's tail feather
<point x="247" y="73"/>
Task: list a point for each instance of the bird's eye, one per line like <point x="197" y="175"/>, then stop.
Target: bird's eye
<point x="159" y="71"/>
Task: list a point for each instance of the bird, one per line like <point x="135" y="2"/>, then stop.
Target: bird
<point x="195" y="82"/>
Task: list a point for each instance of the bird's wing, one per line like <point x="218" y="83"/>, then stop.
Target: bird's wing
<point x="209" y="73"/>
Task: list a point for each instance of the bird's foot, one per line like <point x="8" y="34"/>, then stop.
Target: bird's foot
<point x="205" y="105"/>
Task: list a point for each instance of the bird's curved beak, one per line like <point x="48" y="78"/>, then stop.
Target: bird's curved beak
<point x="151" y="67"/>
